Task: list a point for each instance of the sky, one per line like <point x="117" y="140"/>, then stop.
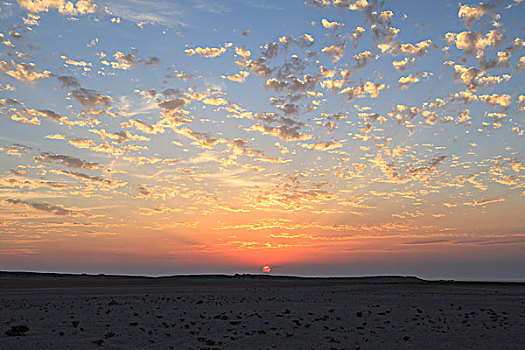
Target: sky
<point x="321" y="138"/>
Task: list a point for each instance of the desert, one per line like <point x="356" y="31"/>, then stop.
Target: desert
<point x="56" y="311"/>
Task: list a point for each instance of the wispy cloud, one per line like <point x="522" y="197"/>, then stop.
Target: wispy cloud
<point x="166" y="13"/>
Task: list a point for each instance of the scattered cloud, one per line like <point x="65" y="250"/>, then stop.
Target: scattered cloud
<point x="23" y="71"/>
<point x="354" y="126"/>
<point x="80" y="7"/>
<point x="68" y="161"/>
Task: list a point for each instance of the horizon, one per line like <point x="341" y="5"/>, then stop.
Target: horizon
<point x="318" y="137"/>
<point x="270" y="275"/>
<point x="261" y="273"/>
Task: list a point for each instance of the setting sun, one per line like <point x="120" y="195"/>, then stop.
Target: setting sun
<point x="266" y="269"/>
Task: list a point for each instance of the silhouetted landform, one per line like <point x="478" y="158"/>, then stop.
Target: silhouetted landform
<point x="43" y="275"/>
<point x="369" y="279"/>
<point x="255" y="277"/>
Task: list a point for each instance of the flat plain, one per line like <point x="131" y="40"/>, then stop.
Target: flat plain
<point x="252" y="312"/>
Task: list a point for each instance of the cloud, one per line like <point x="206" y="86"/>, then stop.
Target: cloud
<point x="174" y="104"/>
<point x="477" y="203"/>
<point x="238" y="77"/>
<point x="293" y="83"/>
<point x="239" y="147"/>
<point x="56" y="137"/>
<point x="360" y="91"/>
<point x="353" y="5"/>
<point x="209" y="52"/>
<point x="289" y="197"/>
<point x="283" y="132"/>
<point x="85" y="65"/>
<point x="48" y="114"/>
<point x="276" y="84"/>
<point x="243" y="52"/>
<point x="429" y="241"/>
<point x="258" y="66"/>
<point x="503" y="100"/>
<point x="203" y="140"/>
<point x="81" y="143"/>
<point x="288" y="108"/>
<point x="89" y="178"/>
<point x="24" y="71"/>
<point x="90" y="99"/>
<point x="363" y="58"/>
<point x="19" y="182"/>
<point x="403" y="65"/>
<point x="521" y="102"/>
<point x="165" y="13"/>
<point x="24" y="118"/>
<point x="47" y="207"/>
<point x="16" y="149"/>
<point x="215" y="101"/>
<point x="9" y="102"/>
<point x="271" y="50"/>
<point x="471" y="42"/>
<point x="404" y="82"/>
<point x="124" y="61"/>
<point x="323" y="146"/>
<point x="211" y="6"/>
<point x="80" y="7"/>
<point x="157" y="128"/>
<point x="487" y="81"/>
<point x="67" y="82"/>
<point x="153" y="61"/>
<point x="396" y="48"/>
<point x="120" y="136"/>
<point x="331" y="25"/>
<point x="520" y="66"/>
<point x="471" y="14"/>
<point x="357" y="34"/>
<point x="319" y="3"/>
<point x="516" y="165"/>
<point x="426" y="169"/>
<point x="501" y="61"/>
<point x="468" y="76"/>
<point x="70" y="162"/>
<point x="464" y="117"/>
<point x="231" y="209"/>
<point x="336" y="51"/>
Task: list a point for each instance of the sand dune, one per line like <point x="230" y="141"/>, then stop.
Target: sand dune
<point x="257" y="312"/>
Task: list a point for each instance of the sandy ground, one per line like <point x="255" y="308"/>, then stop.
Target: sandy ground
<point x="253" y="314"/>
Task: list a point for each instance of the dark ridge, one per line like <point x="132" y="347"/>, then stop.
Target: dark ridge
<point x="367" y="279"/>
<point x="24" y="275"/>
<point x="378" y="279"/>
<point x="54" y="275"/>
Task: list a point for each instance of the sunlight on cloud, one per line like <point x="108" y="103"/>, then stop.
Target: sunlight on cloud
<point x="238" y="128"/>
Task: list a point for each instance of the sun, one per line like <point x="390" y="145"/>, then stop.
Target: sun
<point x="266" y="269"/>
